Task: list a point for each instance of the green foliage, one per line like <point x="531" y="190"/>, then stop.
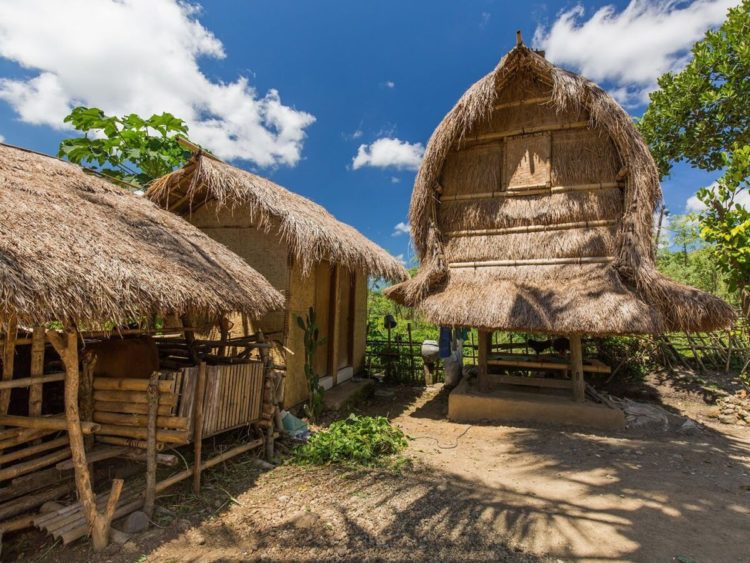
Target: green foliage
<point x="312" y="340"/>
<point x="357" y="440"/>
<point x="128" y="148"/>
<point x="703" y="111"/>
<point x="725" y="223"/>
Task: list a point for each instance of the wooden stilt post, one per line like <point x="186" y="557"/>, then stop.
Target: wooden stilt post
<point x="9" y="356"/>
<point x="485" y="339"/>
<point x="200" y="391"/>
<point x="576" y="368"/>
<point x="37" y="370"/>
<point x="66" y="346"/>
<point x="86" y="394"/>
<point x="152" y="392"/>
<point x="267" y="367"/>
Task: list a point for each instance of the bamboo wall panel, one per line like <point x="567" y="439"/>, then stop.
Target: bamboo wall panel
<point x="527" y="161"/>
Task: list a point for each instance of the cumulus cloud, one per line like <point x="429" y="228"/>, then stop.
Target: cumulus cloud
<point x="401" y="259"/>
<point x="401" y="229"/>
<point x="140" y="56"/>
<point x="632" y="48"/>
<point x="694" y="205"/>
<point x="389" y="152"/>
<point x="390" y="84"/>
<point x="2" y="139"/>
<point x="395" y="179"/>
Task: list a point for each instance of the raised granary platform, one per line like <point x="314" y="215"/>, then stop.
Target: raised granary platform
<point x="512" y="403"/>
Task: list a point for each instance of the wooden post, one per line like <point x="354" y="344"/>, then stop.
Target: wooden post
<point x="37" y="370"/>
<point x="485" y="341"/>
<point x="153" y="407"/>
<point x="200" y="391"/>
<point x="86" y="393"/>
<point x="411" y="353"/>
<point x="9" y="356"/>
<point x="190" y="338"/>
<point x="267" y="366"/>
<point x="66" y="346"/>
<point x="224" y="335"/>
<point x="576" y="368"/>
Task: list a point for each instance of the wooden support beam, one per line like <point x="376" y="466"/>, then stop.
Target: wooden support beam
<point x="485" y="340"/>
<point x="9" y="356"/>
<point x="200" y="392"/>
<point x="36" y="381"/>
<point x="576" y="368"/>
<point x="32" y="382"/>
<point x="534" y="192"/>
<point x="153" y="406"/>
<point x="45" y="423"/>
<point x="534" y="262"/>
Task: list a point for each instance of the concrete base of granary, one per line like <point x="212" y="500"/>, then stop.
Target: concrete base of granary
<point x="513" y="403"/>
<point x="348" y="393"/>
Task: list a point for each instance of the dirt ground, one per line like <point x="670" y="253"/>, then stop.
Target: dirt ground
<point x="476" y="493"/>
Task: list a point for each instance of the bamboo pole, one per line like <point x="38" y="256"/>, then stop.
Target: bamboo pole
<point x="128" y="419"/>
<point x="34" y="464"/>
<point x="33" y="450"/>
<point x="133" y="397"/>
<point x="36" y="372"/>
<point x="153" y="405"/>
<point x="534" y="262"/>
<point x="127" y="442"/>
<point x="9" y="356"/>
<point x="169" y="436"/>
<point x="200" y="391"/>
<point x="32" y="382"/>
<point x="46" y="423"/>
<point x="576" y="368"/>
<point x="534" y="192"/>
<point x="66" y="346"/>
<point x="86" y="394"/>
<point x="123" y="407"/>
<point x="129" y="384"/>
<point x="411" y="352"/>
<point x="24" y="435"/>
<point x="533" y="228"/>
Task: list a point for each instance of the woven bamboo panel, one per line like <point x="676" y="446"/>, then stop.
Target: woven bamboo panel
<point x="234" y="394"/>
<point x="474" y="170"/>
<point x="527" y="161"/>
<point x="583" y="157"/>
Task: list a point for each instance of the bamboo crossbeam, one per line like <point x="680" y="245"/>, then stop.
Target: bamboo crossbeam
<point x="128" y="408"/>
<point x="133" y="396"/>
<point x="29" y="381"/>
<point x="533" y="192"/>
<point x="524" y="102"/>
<point x="534" y="262"/>
<point x="93" y="456"/>
<point x="128" y="442"/>
<point x="128" y="384"/>
<point x="31" y="501"/>
<point x="44" y="423"/>
<point x="533" y="228"/>
<point x="531" y="364"/>
<point x="500" y="135"/>
<point x="34" y="464"/>
<point x="168" y="436"/>
<point x="33" y="450"/>
<point x="125" y="419"/>
<point x="535" y="381"/>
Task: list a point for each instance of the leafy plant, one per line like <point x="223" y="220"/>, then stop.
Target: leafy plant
<point x="357" y="440"/>
<point x="312" y="340"/>
<point x="128" y="148"/>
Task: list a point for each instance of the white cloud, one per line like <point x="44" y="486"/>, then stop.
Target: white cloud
<point x="140" y="56"/>
<point x="389" y="153"/>
<point x="2" y="139"/>
<point x="485" y="19"/>
<point x="694" y="205"/>
<point x="395" y="179"/>
<point x="401" y="259"/>
<point x="401" y="229"/>
<point x="390" y="84"/>
<point x="632" y="48"/>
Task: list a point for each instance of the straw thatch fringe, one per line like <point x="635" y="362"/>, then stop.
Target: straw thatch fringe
<point x="76" y="247"/>
<point x="522" y="73"/>
<point x="311" y="233"/>
<point x="597" y="241"/>
<point x="499" y="213"/>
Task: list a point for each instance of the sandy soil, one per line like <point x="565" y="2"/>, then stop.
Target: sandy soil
<point x="477" y="493"/>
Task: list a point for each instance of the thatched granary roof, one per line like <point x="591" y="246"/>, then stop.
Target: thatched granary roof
<point x="311" y="233"/>
<point x="533" y="211"/>
<point x="76" y="247"/>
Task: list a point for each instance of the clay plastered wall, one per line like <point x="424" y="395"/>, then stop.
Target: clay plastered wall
<point x="301" y="298"/>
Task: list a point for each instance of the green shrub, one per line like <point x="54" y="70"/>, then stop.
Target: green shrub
<point x="357" y="440"/>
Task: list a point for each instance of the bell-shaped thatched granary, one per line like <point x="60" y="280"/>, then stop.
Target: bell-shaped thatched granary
<point x="533" y="211"/>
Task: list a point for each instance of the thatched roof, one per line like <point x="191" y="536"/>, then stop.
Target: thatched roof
<point x="533" y="211"/>
<point x="311" y="233"/>
<point x="74" y="246"/>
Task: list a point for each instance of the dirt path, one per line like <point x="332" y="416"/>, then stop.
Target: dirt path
<point x="593" y="497"/>
<point x="475" y="493"/>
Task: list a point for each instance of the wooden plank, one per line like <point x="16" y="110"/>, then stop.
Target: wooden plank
<point x="129" y="384"/>
<point x="128" y="408"/>
<point x="133" y="396"/>
<point x="129" y="419"/>
<point x="485" y="341"/>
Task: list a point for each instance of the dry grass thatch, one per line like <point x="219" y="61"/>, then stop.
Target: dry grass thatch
<point x="311" y="233"/>
<point x="76" y="247"/>
<point x="531" y="126"/>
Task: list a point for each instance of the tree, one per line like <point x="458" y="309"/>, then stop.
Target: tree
<point x="701" y="115"/>
<point x="704" y="110"/>
<point x="128" y="148"/>
<point x="726" y="223"/>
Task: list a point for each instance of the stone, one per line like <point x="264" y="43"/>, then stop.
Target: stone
<point x="726" y="419"/>
<point x="135" y="522"/>
<point x="306" y="520"/>
<point x="130" y="547"/>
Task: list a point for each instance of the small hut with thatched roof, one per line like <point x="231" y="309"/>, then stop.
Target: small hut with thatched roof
<point x="533" y="211"/>
<point x="80" y="256"/>
<point x="306" y="253"/>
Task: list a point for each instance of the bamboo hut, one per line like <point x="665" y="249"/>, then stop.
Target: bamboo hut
<point x="80" y="257"/>
<point x="533" y="212"/>
<point x="313" y="259"/>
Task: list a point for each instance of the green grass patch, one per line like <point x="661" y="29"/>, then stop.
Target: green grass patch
<point x="357" y="440"/>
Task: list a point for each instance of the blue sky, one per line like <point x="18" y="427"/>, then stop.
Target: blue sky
<point x="293" y="89"/>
